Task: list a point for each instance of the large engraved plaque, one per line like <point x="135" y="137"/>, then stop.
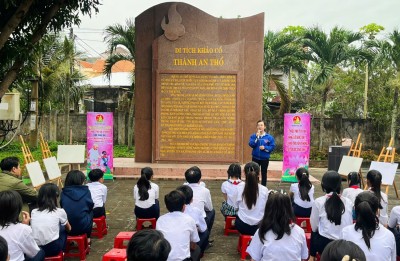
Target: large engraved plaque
<point x="196" y="117"/>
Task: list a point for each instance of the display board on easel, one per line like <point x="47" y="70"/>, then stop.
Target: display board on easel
<point x="50" y="162"/>
<point x="387" y="170"/>
<point x="33" y="167"/>
<point x="349" y="164"/>
<point x="73" y="154"/>
<point x="355" y="153"/>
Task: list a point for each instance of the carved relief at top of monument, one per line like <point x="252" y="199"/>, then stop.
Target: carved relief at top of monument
<point x="174" y="29"/>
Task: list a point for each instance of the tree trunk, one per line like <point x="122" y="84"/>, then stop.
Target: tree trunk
<point x="66" y="109"/>
<point x="14" y="21"/>
<point x="393" y="126"/>
<point x="130" y="122"/>
<point x="12" y="73"/>
<point x="327" y="88"/>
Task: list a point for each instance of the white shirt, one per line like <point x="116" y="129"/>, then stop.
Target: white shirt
<point x="197" y="215"/>
<point x="255" y="214"/>
<point x="201" y="198"/>
<point x="98" y="191"/>
<point x="201" y="183"/>
<point x="289" y="247"/>
<point x="179" y="229"/>
<point x="319" y="219"/>
<point x="153" y="195"/>
<point x="230" y="190"/>
<point x="394" y="218"/>
<point x="46" y="225"/>
<point x="297" y="198"/>
<point x="351" y="193"/>
<point x="20" y="241"/>
<point x="383" y="244"/>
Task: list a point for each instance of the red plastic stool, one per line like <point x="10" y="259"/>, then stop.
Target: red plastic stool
<point x="59" y="257"/>
<point x="140" y="221"/>
<point x="80" y="250"/>
<point x="115" y="254"/>
<point x="121" y="238"/>
<point x="244" y="241"/>
<point x="230" y="225"/>
<point x="101" y="227"/>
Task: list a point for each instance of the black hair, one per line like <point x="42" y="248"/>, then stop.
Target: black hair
<point x="95" y="175"/>
<point x="11" y="206"/>
<point x="366" y="205"/>
<point x="375" y="180"/>
<point x="261" y="121"/>
<point x="193" y="174"/>
<point x="304" y="183"/>
<point x="234" y="170"/>
<point x="3" y="249"/>
<point x="47" y="197"/>
<point x="8" y="163"/>
<point x="278" y="216"/>
<point x="337" y="249"/>
<point x="74" y="178"/>
<point x="334" y="207"/>
<point x="175" y="200"/>
<point x="143" y="183"/>
<point x="353" y="178"/>
<point x="148" y="245"/>
<point x="250" y="191"/>
<point x="187" y="192"/>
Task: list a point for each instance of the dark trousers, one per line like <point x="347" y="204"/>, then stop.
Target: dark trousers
<point x="396" y="232"/>
<point x="56" y="246"/>
<point x="300" y="211"/>
<point x="203" y="243"/>
<point x="99" y="212"/>
<point x="151" y="212"/>
<point x="245" y="228"/>
<point x="264" y="168"/>
<point x="39" y="256"/>
<point x="195" y="254"/>
<point x="318" y="243"/>
<point x="210" y="216"/>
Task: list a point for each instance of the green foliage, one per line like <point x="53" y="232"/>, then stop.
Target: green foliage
<point x="316" y="154"/>
<point x="122" y="151"/>
<point x="368" y="155"/>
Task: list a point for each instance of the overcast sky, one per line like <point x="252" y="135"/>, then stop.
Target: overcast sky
<point x="351" y="14"/>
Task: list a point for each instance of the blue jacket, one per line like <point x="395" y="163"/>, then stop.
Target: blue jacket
<point x="267" y="141"/>
<point x="78" y="204"/>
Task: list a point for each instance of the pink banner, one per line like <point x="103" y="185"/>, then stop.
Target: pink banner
<point x="100" y="141"/>
<point x="296" y="144"/>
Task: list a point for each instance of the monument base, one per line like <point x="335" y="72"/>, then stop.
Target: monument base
<point x="128" y="168"/>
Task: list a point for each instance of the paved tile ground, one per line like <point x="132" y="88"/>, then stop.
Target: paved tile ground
<point x="120" y="214"/>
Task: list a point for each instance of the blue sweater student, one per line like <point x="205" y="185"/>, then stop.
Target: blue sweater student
<point x="263" y="144"/>
<point x="77" y="202"/>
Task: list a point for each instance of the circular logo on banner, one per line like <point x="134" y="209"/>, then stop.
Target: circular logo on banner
<point x="296" y="119"/>
<point x="99" y="118"/>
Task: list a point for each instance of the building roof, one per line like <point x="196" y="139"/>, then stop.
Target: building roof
<point x="118" y="79"/>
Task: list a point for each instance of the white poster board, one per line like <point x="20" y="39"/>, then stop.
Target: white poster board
<point x="71" y="154"/>
<point x="52" y="168"/>
<point x="349" y="164"/>
<point x="388" y="171"/>
<point x="35" y="174"/>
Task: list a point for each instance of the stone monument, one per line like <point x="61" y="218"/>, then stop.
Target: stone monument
<point x="198" y="85"/>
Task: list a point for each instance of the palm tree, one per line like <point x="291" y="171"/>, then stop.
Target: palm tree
<point x="122" y="35"/>
<point x="328" y="52"/>
<point x="282" y="52"/>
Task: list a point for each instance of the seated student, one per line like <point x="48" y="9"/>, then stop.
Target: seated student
<point x="374" y="182"/>
<point x="354" y="182"/>
<point x="329" y="213"/>
<point x="201" y="196"/>
<point x="21" y="245"/>
<point x="196" y="214"/>
<point x="342" y="250"/>
<point x="10" y="179"/>
<point x="303" y="193"/>
<point x="374" y="239"/>
<point x="49" y="222"/>
<point x="78" y="204"/>
<point x="98" y="191"/>
<point x="394" y="226"/>
<point x="278" y="238"/>
<point x="146" y="195"/>
<point x="179" y="229"/>
<point x="229" y="190"/>
<point x="4" y="256"/>
<point x="148" y="245"/>
<point x="251" y="199"/>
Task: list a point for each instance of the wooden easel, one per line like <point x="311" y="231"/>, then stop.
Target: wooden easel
<point x="44" y="146"/>
<point x="26" y="152"/>
<point x="387" y="155"/>
<point x="355" y="151"/>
